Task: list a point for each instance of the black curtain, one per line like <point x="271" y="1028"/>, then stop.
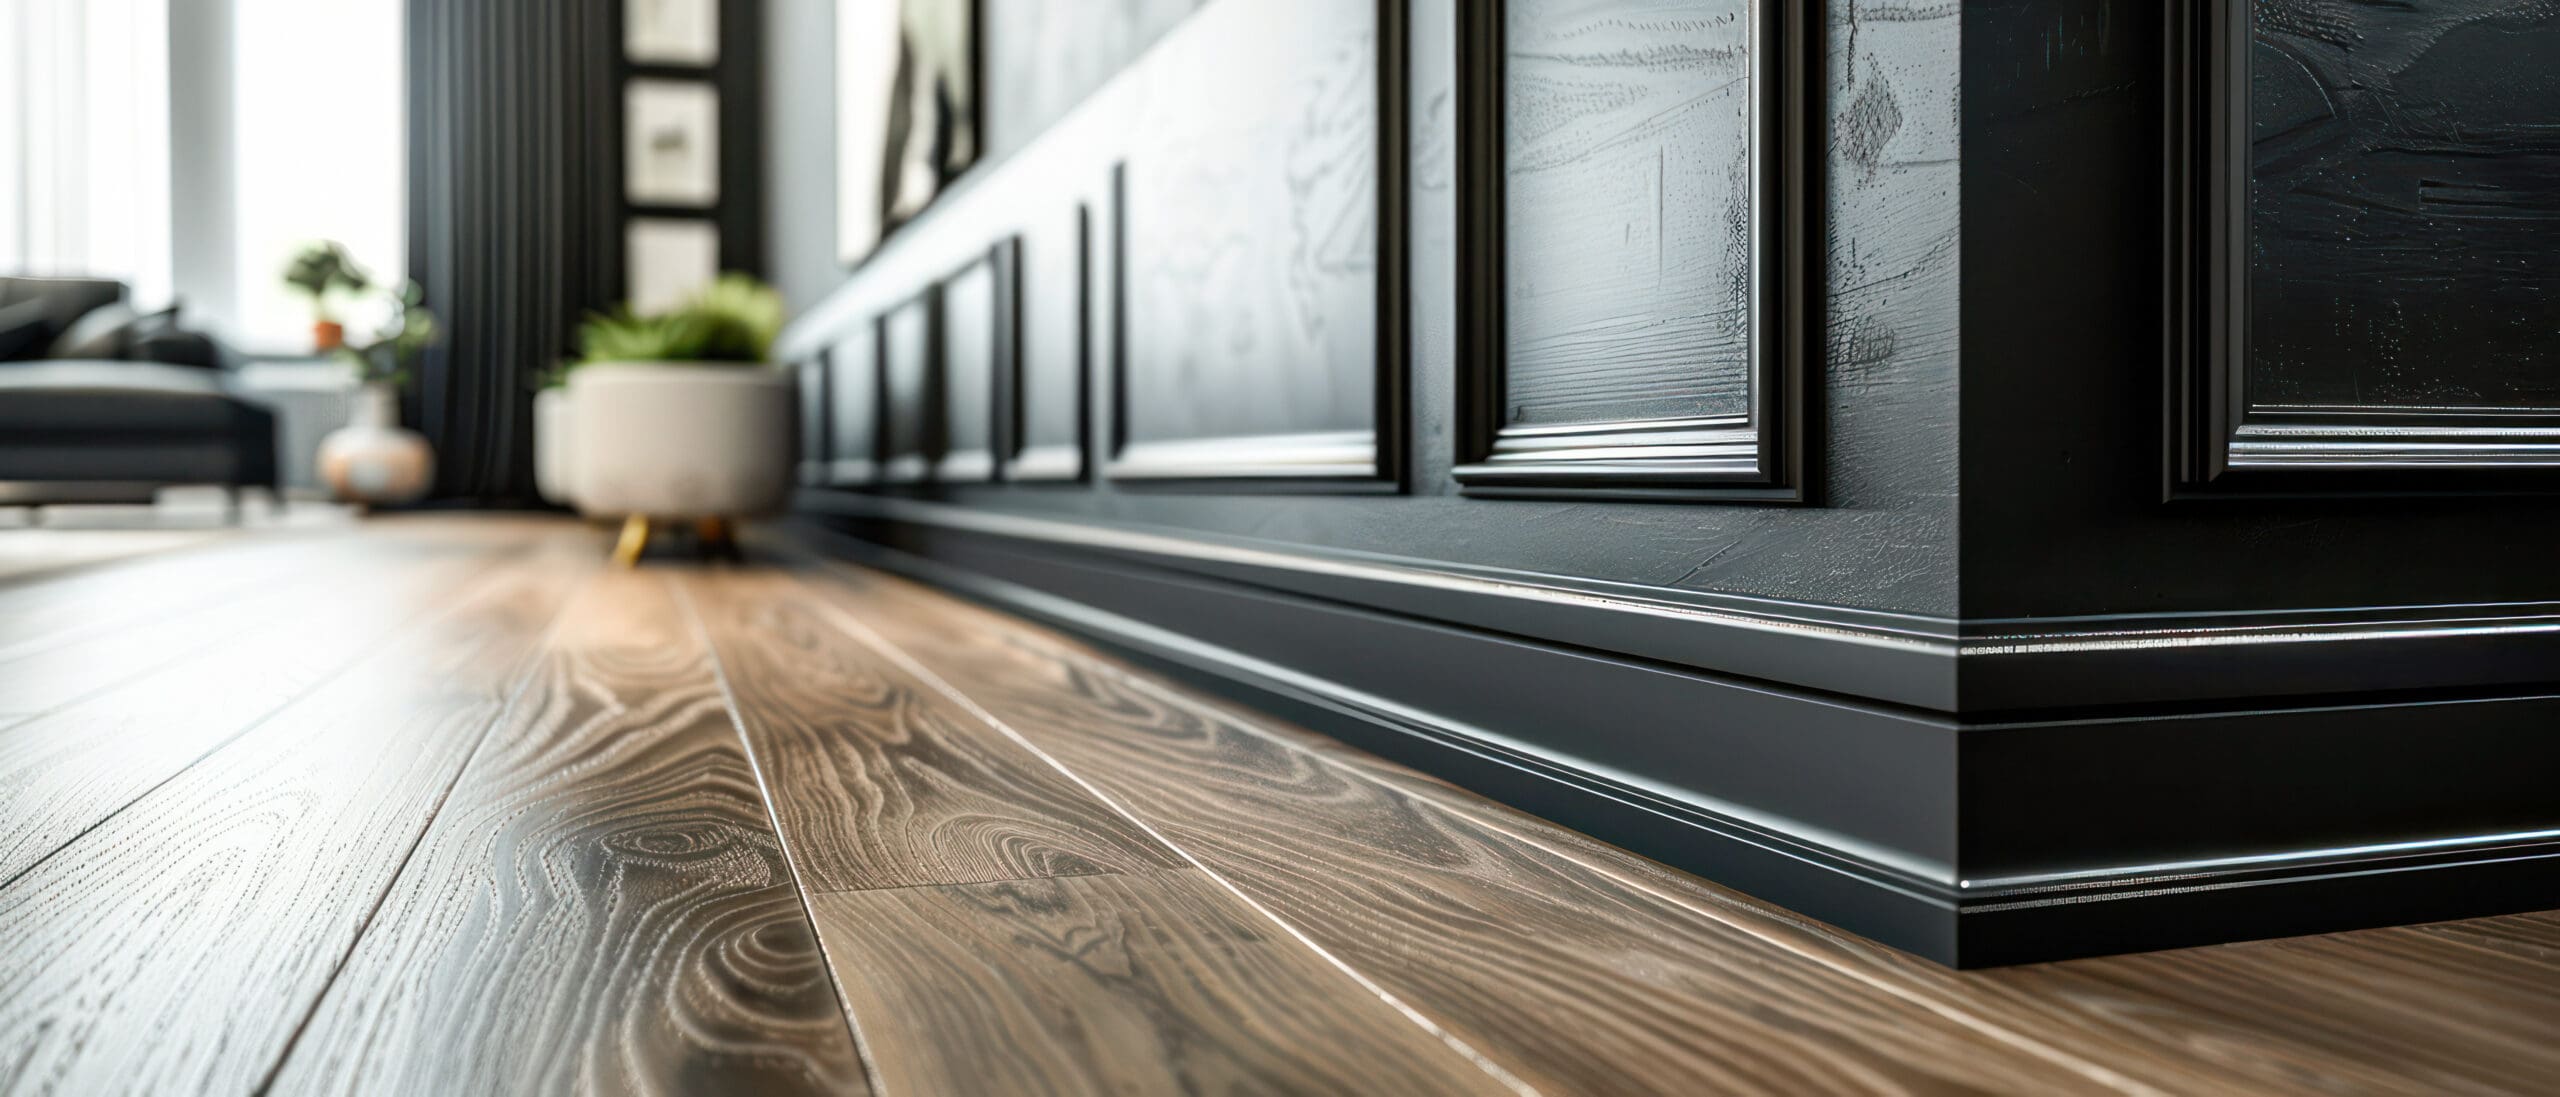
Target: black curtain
<point x="515" y="176"/>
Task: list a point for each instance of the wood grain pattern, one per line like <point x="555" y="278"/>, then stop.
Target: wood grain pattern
<point x="877" y="780"/>
<point x="601" y="906"/>
<point x="1572" y="981"/>
<point x="61" y="608"/>
<point x="65" y="770"/>
<point x="1253" y="221"/>
<point x="188" y="934"/>
<point x="1156" y="984"/>
<point x="47" y="674"/>
<point x="1628" y="210"/>
<point x="2454" y="1007"/>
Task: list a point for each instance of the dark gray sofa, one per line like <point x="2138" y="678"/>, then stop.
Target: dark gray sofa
<point x="98" y="403"/>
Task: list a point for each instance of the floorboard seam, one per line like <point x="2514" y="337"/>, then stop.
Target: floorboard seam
<point x="2093" y="1071"/>
<point x="864" y="634"/>
<point x="146" y="670"/>
<point x="773" y="818"/>
<point x="526" y="675"/>
<point x="318" y="683"/>
<point x="984" y="883"/>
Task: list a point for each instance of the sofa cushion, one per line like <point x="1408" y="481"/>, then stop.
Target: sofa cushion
<point x="67" y="299"/>
<point x="25" y="328"/>
<point x="101" y="333"/>
<point x="66" y="397"/>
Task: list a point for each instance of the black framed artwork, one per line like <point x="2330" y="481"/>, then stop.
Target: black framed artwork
<point x="908" y="88"/>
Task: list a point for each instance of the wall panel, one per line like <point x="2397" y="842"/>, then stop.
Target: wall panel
<point x="853" y="407"/>
<point x="1635" y="203"/>
<point x="971" y="358"/>
<point x="1054" y="294"/>
<point x="2367" y="241"/>
<point x="911" y="412"/>
<point x="1260" y="247"/>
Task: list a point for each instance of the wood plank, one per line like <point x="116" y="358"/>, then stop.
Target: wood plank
<point x="2474" y="1007"/>
<point x="62" y="608"/>
<point x="83" y="661"/>
<point x="878" y="781"/>
<point x="602" y="905"/>
<point x="44" y="553"/>
<point x="188" y="935"/>
<point x="1157" y="984"/>
<point x="2477" y="1011"/>
<point x="64" y="771"/>
<point x="1572" y="979"/>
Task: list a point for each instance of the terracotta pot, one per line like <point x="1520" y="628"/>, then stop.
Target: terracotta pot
<point x="372" y="460"/>
<point x="327" y="335"/>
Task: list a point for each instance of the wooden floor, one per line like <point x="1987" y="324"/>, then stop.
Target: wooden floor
<point x="446" y="807"/>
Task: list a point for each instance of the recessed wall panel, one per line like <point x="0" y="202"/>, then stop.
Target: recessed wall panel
<point x="911" y="420"/>
<point x="1253" y="247"/>
<point x="970" y="360"/>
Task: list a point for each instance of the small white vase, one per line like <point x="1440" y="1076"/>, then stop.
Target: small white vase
<point x="372" y="460"/>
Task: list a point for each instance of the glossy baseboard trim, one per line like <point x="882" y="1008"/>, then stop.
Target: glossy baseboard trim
<point x="2046" y="666"/>
<point x="1970" y="842"/>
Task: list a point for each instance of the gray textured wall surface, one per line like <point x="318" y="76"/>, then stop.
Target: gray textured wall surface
<point x="1882" y="533"/>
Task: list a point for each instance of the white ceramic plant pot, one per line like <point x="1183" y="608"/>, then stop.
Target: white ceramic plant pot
<point x="554" y="465"/>
<point x="670" y="440"/>
<point x="372" y="460"/>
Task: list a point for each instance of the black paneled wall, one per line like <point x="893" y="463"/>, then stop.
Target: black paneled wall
<point x="2014" y="479"/>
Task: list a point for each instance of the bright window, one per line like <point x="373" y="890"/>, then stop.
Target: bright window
<point x="84" y="141"/>
<point x="320" y="152"/>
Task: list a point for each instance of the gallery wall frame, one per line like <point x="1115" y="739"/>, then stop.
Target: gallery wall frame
<point x="910" y="89"/>
<point x="671" y="32"/>
<point x="705" y="51"/>
<point x="1754" y="453"/>
<point x="2228" y="430"/>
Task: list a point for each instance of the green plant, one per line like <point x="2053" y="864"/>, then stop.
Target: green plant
<point x="734" y="320"/>
<point x="322" y="267"/>
<point x="409" y="331"/>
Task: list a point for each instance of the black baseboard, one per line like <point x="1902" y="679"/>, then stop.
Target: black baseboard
<point x="1968" y="839"/>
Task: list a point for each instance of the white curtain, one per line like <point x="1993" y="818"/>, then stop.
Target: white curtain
<point x="84" y="141"/>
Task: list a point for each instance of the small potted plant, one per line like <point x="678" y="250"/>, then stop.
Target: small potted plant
<point x="674" y="416"/>
<point x="372" y="459"/>
<point x="324" y="270"/>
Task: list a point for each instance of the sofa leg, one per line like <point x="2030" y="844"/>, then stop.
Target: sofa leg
<point x="635" y="540"/>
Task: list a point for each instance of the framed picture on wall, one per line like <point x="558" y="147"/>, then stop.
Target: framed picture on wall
<point x="866" y="76"/>
<point x="907" y="94"/>
<point x="671" y="32"/>
<point x="670" y="259"/>
<point x="672" y="138"/>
